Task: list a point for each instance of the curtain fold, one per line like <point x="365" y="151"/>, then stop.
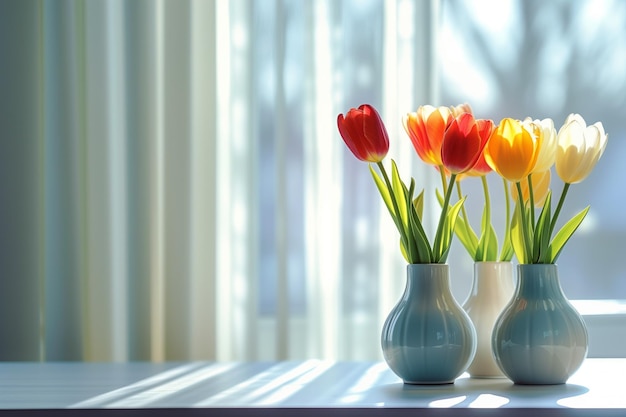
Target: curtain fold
<point x="21" y="188"/>
<point x="322" y="197"/>
<point x="183" y="192"/>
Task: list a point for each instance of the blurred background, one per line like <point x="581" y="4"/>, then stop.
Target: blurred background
<point x="173" y="185"/>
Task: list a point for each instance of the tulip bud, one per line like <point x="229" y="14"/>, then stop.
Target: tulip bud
<point x="364" y="132"/>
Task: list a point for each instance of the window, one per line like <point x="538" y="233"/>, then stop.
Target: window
<point x="174" y="186"/>
<point x="548" y="59"/>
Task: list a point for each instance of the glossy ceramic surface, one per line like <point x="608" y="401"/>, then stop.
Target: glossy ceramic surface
<point x="492" y="289"/>
<point x="539" y="338"/>
<point x="428" y="338"/>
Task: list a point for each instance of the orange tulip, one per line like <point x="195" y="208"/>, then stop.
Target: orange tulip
<point x="426" y="128"/>
<point x="364" y="133"/>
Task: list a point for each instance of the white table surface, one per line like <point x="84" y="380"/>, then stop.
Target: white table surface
<point x="307" y="388"/>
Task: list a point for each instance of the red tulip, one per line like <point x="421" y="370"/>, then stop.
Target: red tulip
<point x="463" y="143"/>
<point x="485" y="128"/>
<point x="364" y="133"/>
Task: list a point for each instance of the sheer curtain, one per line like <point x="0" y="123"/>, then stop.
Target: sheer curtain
<point x="173" y="186"/>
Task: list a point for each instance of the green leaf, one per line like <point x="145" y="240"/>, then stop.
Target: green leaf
<point x="448" y="231"/>
<point x="466" y="236"/>
<point x="411" y="243"/>
<point x="566" y="232"/>
<point x="419" y="238"/>
<point x="507" y="250"/>
<point x="418" y="205"/>
<point x="399" y="194"/>
<point x="384" y="191"/>
<point x="542" y="233"/>
<point x="488" y="244"/>
<point x="424" y="251"/>
<point x="387" y="197"/>
<point x="463" y="231"/>
<point x="403" y="251"/>
<point x="530" y="233"/>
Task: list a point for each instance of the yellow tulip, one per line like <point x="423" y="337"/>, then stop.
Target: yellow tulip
<point x="547" y="151"/>
<point x="579" y="147"/>
<point x="512" y="150"/>
<point x="541" y="186"/>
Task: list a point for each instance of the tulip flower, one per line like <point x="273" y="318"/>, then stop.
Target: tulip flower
<point x="547" y="151"/>
<point x="364" y="133"/>
<point x="512" y="150"/>
<point x="426" y="128"/>
<point x="481" y="168"/>
<point x="463" y="144"/>
<point x="543" y="129"/>
<point x="485" y="129"/>
<point x="579" y="147"/>
<point x="485" y="246"/>
<point x="460" y="109"/>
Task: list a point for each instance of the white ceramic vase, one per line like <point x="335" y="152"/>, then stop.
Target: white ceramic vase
<point x="492" y="289"/>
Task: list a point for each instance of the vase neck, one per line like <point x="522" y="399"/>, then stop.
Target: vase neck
<point x="538" y="281"/>
<point x="427" y="278"/>
<point x="493" y="277"/>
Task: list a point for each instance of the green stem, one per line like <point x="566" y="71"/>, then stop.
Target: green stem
<point x="487" y="199"/>
<point x="487" y="212"/>
<point x="532" y="201"/>
<point x="507" y="213"/>
<point x="442" y="219"/>
<point x="525" y="237"/>
<point x="442" y="175"/>
<point x="559" y="206"/>
<point x="464" y="212"/>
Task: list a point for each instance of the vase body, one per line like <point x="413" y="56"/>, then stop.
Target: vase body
<point x="539" y="338"/>
<point x="428" y="338"/>
<point x="492" y="289"/>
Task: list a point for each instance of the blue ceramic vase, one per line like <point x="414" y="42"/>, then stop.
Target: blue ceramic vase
<point x="428" y="338"/>
<point x="539" y="338"/>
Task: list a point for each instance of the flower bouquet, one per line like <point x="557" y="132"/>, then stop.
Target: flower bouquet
<point x="522" y="153"/>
